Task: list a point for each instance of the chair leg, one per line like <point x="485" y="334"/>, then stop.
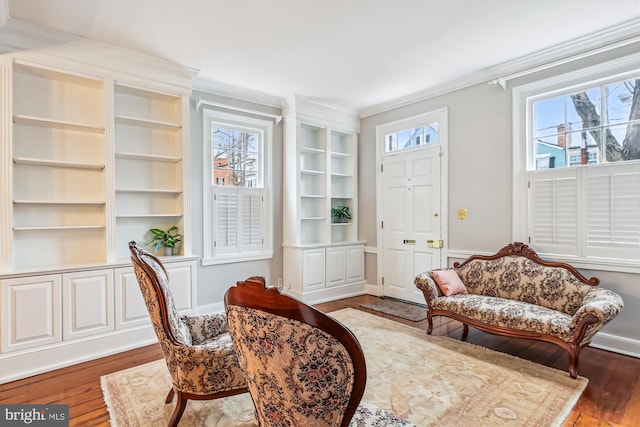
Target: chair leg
<point x="177" y="413"/>
<point x="170" y="396"/>
<point x="430" y="322"/>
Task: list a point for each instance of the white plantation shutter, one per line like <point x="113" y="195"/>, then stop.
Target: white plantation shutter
<point x="607" y="225"/>
<point x="252" y="218"/>
<point x="613" y="211"/>
<point x="239" y="220"/>
<point x="226" y="208"/>
<point x="554" y="214"/>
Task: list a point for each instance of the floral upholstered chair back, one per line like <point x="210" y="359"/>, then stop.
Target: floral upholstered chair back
<point x="155" y="289"/>
<point x="197" y="349"/>
<point x="297" y="373"/>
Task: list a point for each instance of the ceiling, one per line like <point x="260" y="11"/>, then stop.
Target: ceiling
<point x="357" y="53"/>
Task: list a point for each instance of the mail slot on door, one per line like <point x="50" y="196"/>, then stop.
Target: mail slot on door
<point x="409" y="242"/>
<point x="437" y="244"/>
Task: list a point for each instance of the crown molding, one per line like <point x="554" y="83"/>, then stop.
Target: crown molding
<point x="29" y="41"/>
<point x="322" y="112"/>
<point x="242" y="94"/>
<point x="601" y="41"/>
<point x="18" y="35"/>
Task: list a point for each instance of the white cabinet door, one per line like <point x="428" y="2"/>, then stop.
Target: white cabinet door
<point x="31" y="309"/>
<point x="88" y="303"/>
<point x="131" y="309"/>
<point x="181" y="282"/>
<point x="355" y="263"/>
<point x="335" y="266"/>
<point x="313" y="269"/>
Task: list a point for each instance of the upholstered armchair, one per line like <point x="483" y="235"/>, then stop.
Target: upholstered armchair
<point x="198" y="349"/>
<point x="302" y="367"/>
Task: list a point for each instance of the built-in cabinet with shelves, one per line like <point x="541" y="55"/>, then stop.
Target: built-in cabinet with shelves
<point x="148" y="163"/>
<point x="320" y="173"/>
<point x="91" y="157"/>
<point x="48" y="319"/>
<point x="57" y="170"/>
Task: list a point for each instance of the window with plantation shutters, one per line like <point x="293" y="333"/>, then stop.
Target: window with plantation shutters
<point x="613" y="211"/>
<point x="607" y="227"/>
<point x="554" y="214"/>
<point x="252" y="226"/>
<point x="237" y="181"/>
<point x="577" y="166"/>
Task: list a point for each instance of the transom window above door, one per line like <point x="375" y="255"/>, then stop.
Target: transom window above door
<point x="412" y="137"/>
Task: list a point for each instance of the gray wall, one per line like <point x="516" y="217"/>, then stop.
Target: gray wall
<point x="480" y="174"/>
<point x="214" y="280"/>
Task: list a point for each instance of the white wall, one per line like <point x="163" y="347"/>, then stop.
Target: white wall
<point x="480" y="180"/>
<point x="214" y="280"/>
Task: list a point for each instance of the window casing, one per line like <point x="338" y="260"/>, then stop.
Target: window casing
<point x="572" y="201"/>
<point x="237" y="188"/>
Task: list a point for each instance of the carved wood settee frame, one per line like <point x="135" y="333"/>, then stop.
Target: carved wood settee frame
<point x="589" y="317"/>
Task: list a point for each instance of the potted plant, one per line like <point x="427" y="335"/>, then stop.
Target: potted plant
<point x="340" y="213"/>
<point x="164" y="239"/>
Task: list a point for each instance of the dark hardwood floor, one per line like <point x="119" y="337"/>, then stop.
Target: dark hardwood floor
<point x="612" y="397"/>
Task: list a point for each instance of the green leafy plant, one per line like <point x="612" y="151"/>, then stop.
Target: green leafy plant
<point x="341" y="213"/>
<point x="164" y="239"/>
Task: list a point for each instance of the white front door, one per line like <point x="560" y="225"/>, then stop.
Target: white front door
<point x="411" y="190"/>
<point x="411" y="219"/>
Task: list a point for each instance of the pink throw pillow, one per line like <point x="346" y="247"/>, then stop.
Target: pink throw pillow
<point x="449" y="282"/>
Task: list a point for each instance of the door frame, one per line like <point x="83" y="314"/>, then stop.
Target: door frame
<point x="440" y="115"/>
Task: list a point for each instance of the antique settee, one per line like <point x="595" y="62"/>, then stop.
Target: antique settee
<point x="516" y="293"/>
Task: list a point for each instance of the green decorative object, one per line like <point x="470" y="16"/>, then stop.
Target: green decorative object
<point x="340" y="214"/>
<point x="164" y="239"/>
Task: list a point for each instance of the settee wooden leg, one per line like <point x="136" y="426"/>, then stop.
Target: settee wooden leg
<point x="574" y="354"/>
<point x="465" y="331"/>
<point x="177" y="413"/>
<point x="430" y="323"/>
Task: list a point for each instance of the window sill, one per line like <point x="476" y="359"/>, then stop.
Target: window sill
<point x="598" y="264"/>
<point x="230" y="259"/>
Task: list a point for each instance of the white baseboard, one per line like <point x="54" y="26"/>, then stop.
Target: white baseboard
<point x="215" y="308"/>
<point x="328" y="294"/>
<point x="372" y="290"/>
<point x="25" y="363"/>
<point x="616" y="344"/>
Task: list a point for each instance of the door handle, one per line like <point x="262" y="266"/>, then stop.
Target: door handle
<point x="437" y="244"/>
<point x="409" y="242"/>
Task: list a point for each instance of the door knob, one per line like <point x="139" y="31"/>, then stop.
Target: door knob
<point x="436" y="244"/>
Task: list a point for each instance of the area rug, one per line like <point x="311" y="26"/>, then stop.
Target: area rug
<point x="427" y="380"/>
<point x="405" y="310"/>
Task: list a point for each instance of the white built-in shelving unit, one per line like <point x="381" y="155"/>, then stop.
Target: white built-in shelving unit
<point x="148" y="163"/>
<point x="58" y="168"/>
<point x="323" y="259"/>
<point x="91" y="157"/>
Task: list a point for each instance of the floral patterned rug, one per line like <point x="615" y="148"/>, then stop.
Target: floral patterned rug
<point x="427" y="380"/>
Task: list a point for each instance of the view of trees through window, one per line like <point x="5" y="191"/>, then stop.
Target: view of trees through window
<point x="598" y="125"/>
<point x="236" y="157"/>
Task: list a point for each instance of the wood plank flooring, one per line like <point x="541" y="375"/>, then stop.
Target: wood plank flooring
<point x="612" y="397"/>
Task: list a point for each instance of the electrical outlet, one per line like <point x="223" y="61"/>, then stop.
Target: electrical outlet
<point x="279" y="284"/>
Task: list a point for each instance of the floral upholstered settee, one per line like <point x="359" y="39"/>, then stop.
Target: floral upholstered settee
<point x="515" y="293"/>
